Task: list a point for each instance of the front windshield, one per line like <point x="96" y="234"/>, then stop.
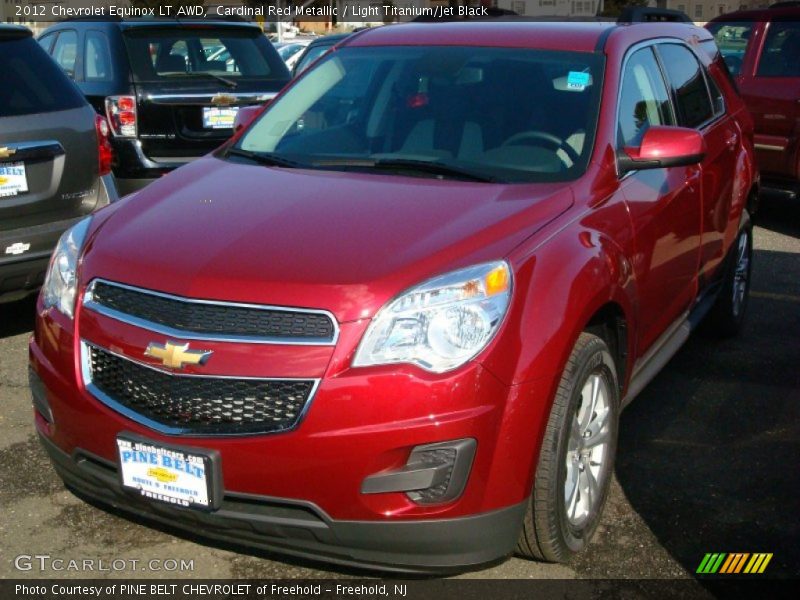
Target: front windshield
<point x="501" y="114"/>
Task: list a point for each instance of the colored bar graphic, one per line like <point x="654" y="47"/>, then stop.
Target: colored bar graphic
<point x="758" y="563"/>
<point x="733" y="563"/>
<point x="711" y="563"/>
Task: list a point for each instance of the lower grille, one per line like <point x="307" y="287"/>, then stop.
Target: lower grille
<point x="192" y="404"/>
<point x="433" y="458"/>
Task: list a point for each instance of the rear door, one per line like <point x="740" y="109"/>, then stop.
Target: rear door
<point x="191" y="79"/>
<point x="700" y="105"/>
<point x="772" y="94"/>
<point x="48" y="143"/>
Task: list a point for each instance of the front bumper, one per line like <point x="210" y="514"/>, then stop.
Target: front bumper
<point x="302" y="491"/>
<point x="304" y="530"/>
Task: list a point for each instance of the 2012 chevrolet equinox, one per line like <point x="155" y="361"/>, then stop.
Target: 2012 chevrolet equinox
<point x="393" y="321"/>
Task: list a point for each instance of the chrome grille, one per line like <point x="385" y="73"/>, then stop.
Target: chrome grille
<point x="190" y="404"/>
<point x="203" y="319"/>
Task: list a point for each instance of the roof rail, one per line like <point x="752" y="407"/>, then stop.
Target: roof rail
<point x="644" y="14"/>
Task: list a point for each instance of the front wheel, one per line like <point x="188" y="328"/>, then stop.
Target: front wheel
<point x="577" y="456"/>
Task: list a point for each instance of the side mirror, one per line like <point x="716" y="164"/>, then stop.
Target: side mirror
<point x="663" y="147"/>
<point x="245" y="116"/>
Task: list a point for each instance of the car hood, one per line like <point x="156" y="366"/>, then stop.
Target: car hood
<point x="338" y="241"/>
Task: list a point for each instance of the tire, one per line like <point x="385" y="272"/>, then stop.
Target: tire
<point x="727" y="315"/>
<point x="549" y="533"/>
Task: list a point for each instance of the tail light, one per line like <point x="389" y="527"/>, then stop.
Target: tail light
<point x="121" y="112"/>
<point x="105" y="153"/>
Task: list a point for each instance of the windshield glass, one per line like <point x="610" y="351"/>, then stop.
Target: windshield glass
<point x="288" y="51"/>
<point x="172" y="53"/>
<point x="312" y="54"/>
<point x="501" y="114"/>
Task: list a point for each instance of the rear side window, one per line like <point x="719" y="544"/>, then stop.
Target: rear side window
<point x="717" y="101"/>
<point x="32" y="83"/>
<point x="97" y="57"/>
<point x="732" y="40"/>
<point x="644" y="100"/>
<point x="46" y="42"/>
<point x="781" y="54"/>
<point x="158" y="54"/>
<point x="65" y="51"/>
<point x="688" y="85"/>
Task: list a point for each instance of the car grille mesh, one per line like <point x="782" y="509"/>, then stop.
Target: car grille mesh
<point x="433" y="458"/>
<point x="199" y="405"/>
<point x="201" y="318"/>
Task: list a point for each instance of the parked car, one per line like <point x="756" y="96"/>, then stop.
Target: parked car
<point x="314" y="50"/>
<point x="55" y="161"/>
<point x="762" y="50"/>
<point x="393" y="320"/>
<point x="170" y="88"/>
<point x="291" y="51"/>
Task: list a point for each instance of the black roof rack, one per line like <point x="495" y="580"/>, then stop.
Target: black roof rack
<point x="14" y="31"/>
<point x="644" y="14"/>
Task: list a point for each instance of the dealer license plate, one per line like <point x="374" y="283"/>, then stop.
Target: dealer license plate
<point x="219" y="118"/>
<point x="13" y="180"/>
<point x="166" y="474"/>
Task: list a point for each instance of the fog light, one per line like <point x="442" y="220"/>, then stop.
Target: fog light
<point x="433" y="474"/>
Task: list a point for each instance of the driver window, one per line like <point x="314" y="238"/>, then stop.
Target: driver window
<point x="644" y="101"/>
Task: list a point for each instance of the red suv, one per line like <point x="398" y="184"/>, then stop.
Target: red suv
<point x="762" y="50"/>
<point x="393" y="321"/>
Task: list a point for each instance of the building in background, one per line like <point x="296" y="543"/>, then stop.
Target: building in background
<point x="701" y="11"/>
<point x="552" y="8"/>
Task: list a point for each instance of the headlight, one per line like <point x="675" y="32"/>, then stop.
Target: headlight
<point x="61" y="283"/>
<point x="442" y="323"/>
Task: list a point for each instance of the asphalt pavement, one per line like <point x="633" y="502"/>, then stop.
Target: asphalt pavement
<point x="709" y="461"/>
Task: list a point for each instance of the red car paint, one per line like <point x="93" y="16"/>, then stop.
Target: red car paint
<point x="771" y="93"/>
<point x="644" y="245"/>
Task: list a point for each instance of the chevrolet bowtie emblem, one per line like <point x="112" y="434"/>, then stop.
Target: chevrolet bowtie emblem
<point x="5" y="152"/>
<point x="175" y="356"/>
<point x="223" y="99"/>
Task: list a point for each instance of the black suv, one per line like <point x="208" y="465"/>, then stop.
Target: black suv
<point x="55" y="161"/>
<point x="170" y="88"/>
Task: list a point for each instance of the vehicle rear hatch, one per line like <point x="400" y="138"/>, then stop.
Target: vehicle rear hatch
<point x="191" y="77"/>
<point x="48" y="140"/>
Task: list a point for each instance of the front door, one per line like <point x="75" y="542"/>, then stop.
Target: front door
<point x="664" y="204"/>
<point x="772" y="94"/>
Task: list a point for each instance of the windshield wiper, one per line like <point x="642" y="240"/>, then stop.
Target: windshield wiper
<point x="195" y="74"/>
<point x="265" y="158"/>
<point x="408" y="164"/>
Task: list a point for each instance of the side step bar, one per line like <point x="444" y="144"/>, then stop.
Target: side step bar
<point x="669" y="343"/>
<point x="657" y="357"/>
